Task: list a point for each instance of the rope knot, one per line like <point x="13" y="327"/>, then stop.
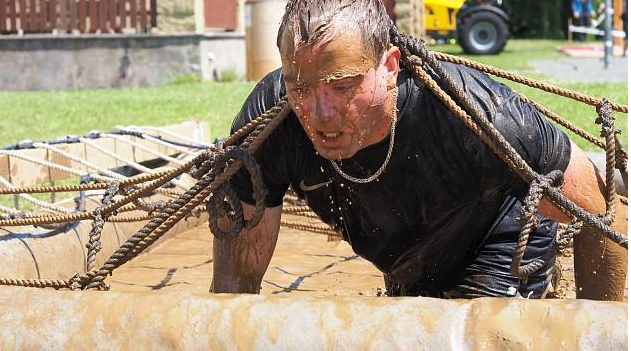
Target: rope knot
<point x="530" y="220"/>
<point x="225" y="201"/>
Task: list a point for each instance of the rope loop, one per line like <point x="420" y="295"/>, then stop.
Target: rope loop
<point x="530" y="220"/>
<point x="225" y="201"/>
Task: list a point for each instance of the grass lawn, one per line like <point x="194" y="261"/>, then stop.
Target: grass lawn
<point x="48" y="115"/>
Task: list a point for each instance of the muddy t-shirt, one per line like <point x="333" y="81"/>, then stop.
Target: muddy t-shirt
<point x="424" y="217"/>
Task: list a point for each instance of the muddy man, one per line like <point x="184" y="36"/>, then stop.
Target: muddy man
<point x="376" y="155"/>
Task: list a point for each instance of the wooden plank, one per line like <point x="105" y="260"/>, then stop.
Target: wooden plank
<point x="22" y="14"/>
<point x="94" y="16"/>
<point x="112" y="15"/>
<point x="63" y="16"/>
<point x="73" y="16"/>
<point x="3" y="15"/>
<point x="122" y="12"/>
<point x="23" y="173"/>
<point x="43" y="16"/>
<point x="4" y="167"/>
<point x="143" y="15"/>
<point x="122" y="148"/>
<point x="53" y="14"/>
<point x="12" y="16"/>
<point x="32" y="21"/>
<point x="82" y="13"/>
<point x="103" y="16"/>
<point x="153" y="12"/>
<point x="74" y="149"/>
<point x="133" y="14"/>
<point x="100" y="159"/>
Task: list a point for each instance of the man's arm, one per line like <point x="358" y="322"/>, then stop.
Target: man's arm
<point x="600" y="265"/>
<point x="240" y="263"/>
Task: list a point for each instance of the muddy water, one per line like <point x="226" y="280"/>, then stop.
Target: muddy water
<point x="303" y="263"/>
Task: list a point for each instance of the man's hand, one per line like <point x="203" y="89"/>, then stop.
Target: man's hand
<point x="240" y="263"/>
<point x="600" y="265"/>
<point x="577" y="15"/>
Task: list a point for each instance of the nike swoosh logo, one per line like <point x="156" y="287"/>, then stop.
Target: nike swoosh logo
<point x="305" y="187"/>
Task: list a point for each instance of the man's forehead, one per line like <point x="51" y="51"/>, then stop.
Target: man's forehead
<point x="339" y="58"/>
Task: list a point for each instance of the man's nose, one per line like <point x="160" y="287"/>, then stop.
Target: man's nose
<point x="324" y="107"/>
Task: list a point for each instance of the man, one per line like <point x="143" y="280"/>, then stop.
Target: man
<point x="582" y="12"/>
<point x="378" y="156"/>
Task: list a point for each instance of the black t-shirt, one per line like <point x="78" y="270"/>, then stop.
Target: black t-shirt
<point x="423" y="218"/>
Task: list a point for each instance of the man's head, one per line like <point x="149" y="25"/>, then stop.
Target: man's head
<point x="339" y="71"/>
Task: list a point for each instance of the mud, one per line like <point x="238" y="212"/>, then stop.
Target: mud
<point x="303" y="264"/>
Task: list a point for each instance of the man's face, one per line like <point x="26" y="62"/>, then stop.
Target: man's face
<point x="339" y="95"/>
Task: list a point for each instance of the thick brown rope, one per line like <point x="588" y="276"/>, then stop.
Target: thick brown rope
<point x="161" y="221"/>
<point x="180" y="207"/>
<point x="311" y="227"/>
<point x="530" y="220"/>
<point x="498" y="144"/>
<point x="608" y="131"/>
<point x="589" y="100"/>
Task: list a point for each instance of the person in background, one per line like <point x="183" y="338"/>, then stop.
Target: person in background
<point x="582" y="12"/>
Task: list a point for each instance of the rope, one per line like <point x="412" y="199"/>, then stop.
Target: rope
<point x="133" y="164"/>
<point x="217" y="207"/>
<point x="33" y="200"/>
<point x="589" y="100"/>
<point x="530" y="220"/>
<point x="94" y="242"/>
<point x="178" y="208"/>
<point x="145" y="149"/>
<point x="312" y="227"/>
<point x="157" y="140"/>
<point x="605" y="118"/>
<point x="490" y="135"/>
<point x="173" y="134"/>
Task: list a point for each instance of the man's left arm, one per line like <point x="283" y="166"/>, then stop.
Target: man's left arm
<point x="600" y="265"/>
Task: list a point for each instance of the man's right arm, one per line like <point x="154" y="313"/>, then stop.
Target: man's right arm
<point x="239" y="263"/>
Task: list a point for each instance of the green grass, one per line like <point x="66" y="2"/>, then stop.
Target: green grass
<point x="48" y="115"/>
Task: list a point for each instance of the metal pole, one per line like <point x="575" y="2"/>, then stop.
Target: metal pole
<point x="608" y="34"/>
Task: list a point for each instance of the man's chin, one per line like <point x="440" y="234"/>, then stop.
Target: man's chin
<point x="336" y="154"/>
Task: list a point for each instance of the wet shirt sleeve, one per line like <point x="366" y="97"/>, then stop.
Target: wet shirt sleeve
<point x="272" y="154"/>
<point x="538" y="141"/>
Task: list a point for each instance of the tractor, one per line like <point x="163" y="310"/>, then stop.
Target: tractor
<point x="481" y="27"/>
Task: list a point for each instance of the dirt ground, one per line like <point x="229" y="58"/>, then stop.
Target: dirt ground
<point x="303" y="263"/>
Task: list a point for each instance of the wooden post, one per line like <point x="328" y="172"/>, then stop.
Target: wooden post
<point x="617" y="21"/>
<point x="417" y="18"/>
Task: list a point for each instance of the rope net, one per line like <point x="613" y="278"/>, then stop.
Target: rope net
<point x="212" y="167"/>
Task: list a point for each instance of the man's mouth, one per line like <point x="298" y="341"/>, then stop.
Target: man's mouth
<point x="330" y="135"/>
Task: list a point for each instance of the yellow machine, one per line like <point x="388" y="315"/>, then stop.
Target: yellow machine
<point x="480" y="26"/>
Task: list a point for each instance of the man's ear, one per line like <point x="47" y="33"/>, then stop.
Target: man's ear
<point x="392" y="56"/>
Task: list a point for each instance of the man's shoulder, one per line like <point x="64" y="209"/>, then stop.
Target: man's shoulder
<point x="266" y="93"/>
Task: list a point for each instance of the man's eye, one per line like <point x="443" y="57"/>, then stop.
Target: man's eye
<point x="297" y="90"/>
<point x="343" y="88"/>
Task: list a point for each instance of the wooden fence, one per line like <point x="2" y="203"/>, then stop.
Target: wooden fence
<point x="84" y="16"/>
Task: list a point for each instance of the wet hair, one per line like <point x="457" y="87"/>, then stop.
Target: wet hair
<point x="307" y="22"/>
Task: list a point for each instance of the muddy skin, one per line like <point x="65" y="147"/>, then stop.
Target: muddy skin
<point x="240" y="263"/>
<point x="334" y="88"/>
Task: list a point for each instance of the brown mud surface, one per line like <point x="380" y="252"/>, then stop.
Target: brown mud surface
<point x="303" y="263"/>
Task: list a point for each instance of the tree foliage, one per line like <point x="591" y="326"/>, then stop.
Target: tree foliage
<point x="538" y="18"/>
